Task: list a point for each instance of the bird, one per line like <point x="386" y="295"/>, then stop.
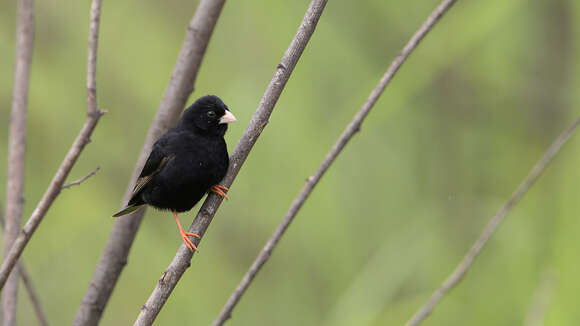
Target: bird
<point x="185" y="163"/>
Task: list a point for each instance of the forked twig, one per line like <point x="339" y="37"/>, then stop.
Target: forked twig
<point x="347" y="134"/>
<point x="83" y="138"/>
<point x="463" y="266"/>
<point x="182" y="259"/>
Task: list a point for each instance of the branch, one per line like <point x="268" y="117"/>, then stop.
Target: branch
<point x="81" y="180"/>
<point x="459" y="272"/>
<point x="182" y="259"/>
<point x="352" y="128"/>
<point x="78" y="145"/>
<point x="28" y="285"/>
<point x="32" y="295"/>
<point x="17" y="150"/>
<point x="116" y="251"/>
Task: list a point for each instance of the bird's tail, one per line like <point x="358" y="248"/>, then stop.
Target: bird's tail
<point x="127" y="210"/>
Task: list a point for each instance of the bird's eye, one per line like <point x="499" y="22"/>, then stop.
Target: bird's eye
<point x="211" y="114"/>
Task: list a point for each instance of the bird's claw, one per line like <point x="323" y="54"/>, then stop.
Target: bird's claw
<point x="185" y="235"/>
<point x="220" y="190"/>
<point x="188" y="243"/>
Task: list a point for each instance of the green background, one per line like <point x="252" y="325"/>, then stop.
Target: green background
<point x="461" y="125"/>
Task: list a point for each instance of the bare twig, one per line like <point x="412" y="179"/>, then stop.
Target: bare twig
<point x="17" y="150"/>
<point x="459" y="272"/>
<point x="116" y="251"/>
<point x="347" y="134"/>
<point x="32" y="295"/>
<point x="83" y="138"/>
<point x="81" y="180"/>
<point x="182" y="259"/>
<point x="28" y="285"/>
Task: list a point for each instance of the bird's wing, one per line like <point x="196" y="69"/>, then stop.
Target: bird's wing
<point x="157" y="160"/>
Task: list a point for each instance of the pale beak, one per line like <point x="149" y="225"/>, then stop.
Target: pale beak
<point x="227" y="118"/>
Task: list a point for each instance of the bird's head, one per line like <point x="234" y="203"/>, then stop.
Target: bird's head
<point x="208" y="115"/>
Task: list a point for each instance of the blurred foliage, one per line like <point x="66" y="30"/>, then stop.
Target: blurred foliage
<point x="462" y="123"/>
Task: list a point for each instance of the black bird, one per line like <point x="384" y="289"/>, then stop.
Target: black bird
<point x="186" y="162"/>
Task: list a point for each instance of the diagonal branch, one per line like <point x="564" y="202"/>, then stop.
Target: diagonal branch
<point x="42" y="320"/>
<point x="17" y="150"/>
<point x="116" y="251"/>
<point x="29" y="286"/>
<point x="463" y="266"/>
<point x="259" y="120"/>
<point x="83" y="138"/>
<point x="352" y="128"/>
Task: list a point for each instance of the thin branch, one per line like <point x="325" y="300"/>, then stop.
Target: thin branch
<point x="183" y="257"/>
<point x="312" y="181"/>
<point x="83" y="138"/>
<point x="81" y="180"/>
<point x="17" y="150"/>
<point x="116" y="251"/>
<point x="28" y="285"/>
<point x="32" y="295"/>
<point x="462" y="268"/>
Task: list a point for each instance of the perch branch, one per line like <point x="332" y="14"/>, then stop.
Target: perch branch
<point x="181" y="83"/>
<point x="83" y="138"/>
<point x="17" y="150"/>
<point x="182" y="259"/>
<point x="28" y="285"/>
<point x="347" y="134"/>
<point x="463" y="266"/>
<point x="81" y="180"/>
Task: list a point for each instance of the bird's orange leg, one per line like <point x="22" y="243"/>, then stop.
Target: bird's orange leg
<point x="184" y="235"/>
<point x="219" y="189"/>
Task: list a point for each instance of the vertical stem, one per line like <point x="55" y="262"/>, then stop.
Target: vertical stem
<point x="17" y="150"/>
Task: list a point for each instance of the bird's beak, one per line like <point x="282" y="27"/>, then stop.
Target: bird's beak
<point x="227" y="118"/>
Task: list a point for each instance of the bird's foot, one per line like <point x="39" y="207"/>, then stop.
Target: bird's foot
<point x="185" y="235"/>
<point x="219" y="189"/>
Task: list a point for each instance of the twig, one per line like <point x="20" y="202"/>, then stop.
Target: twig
<point x="17" y="150"/>
<point x="182" y="259"/>
<point x="32" y="295"/>
<point x="81" y="180"/>
<point x="28" y="285"/>
<point x="459" y="272"/>
<point x="116" y="251"/>
<point x="347" y="134"/>
<point x="83" y="138"/>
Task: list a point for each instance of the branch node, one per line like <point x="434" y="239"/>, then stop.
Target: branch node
<point x="165" y="277"/>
